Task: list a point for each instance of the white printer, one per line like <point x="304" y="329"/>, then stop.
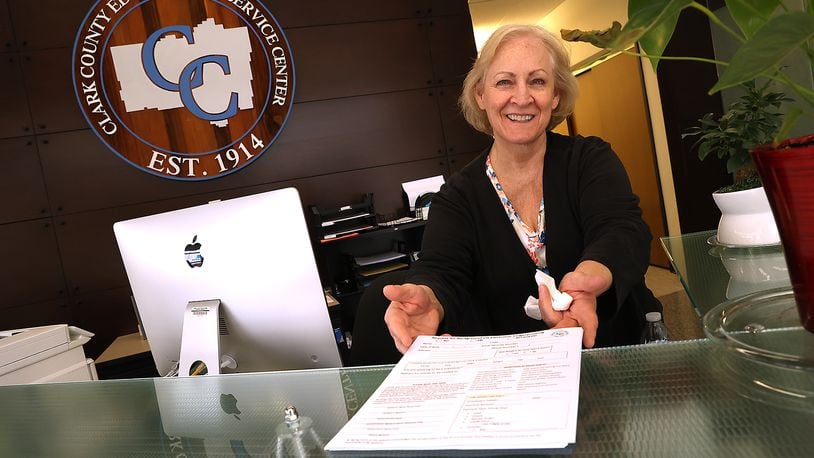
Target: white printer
<point x="45" y="354"/>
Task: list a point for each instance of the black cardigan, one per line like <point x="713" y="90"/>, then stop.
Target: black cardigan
<point x="473" y="261"/>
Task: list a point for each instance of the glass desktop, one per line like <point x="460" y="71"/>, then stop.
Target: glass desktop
<point x="652" y="400"/>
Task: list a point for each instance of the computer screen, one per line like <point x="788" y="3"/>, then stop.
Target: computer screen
<point x="253" y="255"/>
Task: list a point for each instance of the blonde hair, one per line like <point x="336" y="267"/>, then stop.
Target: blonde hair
<point x="565" y="84"/>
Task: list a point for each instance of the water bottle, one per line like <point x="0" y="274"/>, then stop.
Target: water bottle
<point x="655" y="330"/>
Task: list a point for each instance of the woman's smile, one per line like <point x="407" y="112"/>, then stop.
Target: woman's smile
<point x="520" y="117"/>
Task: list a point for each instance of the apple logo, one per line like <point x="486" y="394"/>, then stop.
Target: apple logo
<point x="228" y="402"/>
<point x="193" y="253"/>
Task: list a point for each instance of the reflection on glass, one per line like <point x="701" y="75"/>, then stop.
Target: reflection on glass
<point x="765" y="351"/>
<point x="228" y="415"/>
<point x="751" y="269"/>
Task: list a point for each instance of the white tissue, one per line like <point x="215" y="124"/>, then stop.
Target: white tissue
<point x="532" y="308"/>
<point x="559" y="301"/>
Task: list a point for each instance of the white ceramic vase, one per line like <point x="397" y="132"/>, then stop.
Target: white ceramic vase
<point x="746" y="218"/>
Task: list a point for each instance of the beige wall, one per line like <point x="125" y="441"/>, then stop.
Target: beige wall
<point x="613" y="106"/>
<point x="488" y="15"/>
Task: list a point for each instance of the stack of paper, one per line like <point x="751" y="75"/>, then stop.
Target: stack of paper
<point x="362" y="261"/>
<point x="515" y="392"/>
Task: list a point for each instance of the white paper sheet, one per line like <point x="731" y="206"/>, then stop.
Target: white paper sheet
<point x="474" y="393"/>
<point x="413" y="189"/>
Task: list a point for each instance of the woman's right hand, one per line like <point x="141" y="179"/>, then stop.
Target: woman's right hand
<point x="413" y="311"/>
<point x="587" y="282"/>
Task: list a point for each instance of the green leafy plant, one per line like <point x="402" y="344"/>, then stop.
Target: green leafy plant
<point x="754" y="119"/>
<point x="768" y="32"/>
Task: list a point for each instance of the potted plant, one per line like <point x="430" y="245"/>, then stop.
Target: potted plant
<point x="753" y="119"/>
<point x="768" y="32"/>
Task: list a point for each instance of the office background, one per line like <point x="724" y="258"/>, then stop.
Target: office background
<point x="374" y="106"/>
<point x="376" y="87"/>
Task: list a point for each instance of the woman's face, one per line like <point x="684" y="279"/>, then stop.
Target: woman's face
<point x="518" y="92"/>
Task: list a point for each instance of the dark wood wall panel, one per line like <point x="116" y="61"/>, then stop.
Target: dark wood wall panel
<point x="108" y="314"/>
<point x="459" y="161"/>
<point x="7" y="42"/>
<point x="459" y="135"/>
<point x="357" y="59"/>
<point x="84" y="175"/>
<point x="21" y="177"/>
<point x="44" y="24"/>
<point x="90" y="255"/>
<point x="37" y="314"/>
<point x="31" y="269"/>
<point x="448" y="35"/>
<point x="320" y="138"/>
<point x="50" y="91"/>
<point x="344" y="134"/>
<point x="15" y="118"/>
<point x="444" y="7"/>
<point x="323" y="12"/>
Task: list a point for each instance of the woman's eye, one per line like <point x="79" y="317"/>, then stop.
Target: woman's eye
<point x="503" y="83"/>
<point x="538" y="82"/>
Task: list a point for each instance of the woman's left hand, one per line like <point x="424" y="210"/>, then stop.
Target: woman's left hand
<point x="589" y="280"/>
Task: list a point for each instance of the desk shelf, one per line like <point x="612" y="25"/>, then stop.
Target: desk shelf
<point x="337" y="258"/>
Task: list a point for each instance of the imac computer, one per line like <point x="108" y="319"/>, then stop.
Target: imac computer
<point x="229" y="286"/>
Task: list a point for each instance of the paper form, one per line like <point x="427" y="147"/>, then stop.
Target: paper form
<point x="517" y="391"/>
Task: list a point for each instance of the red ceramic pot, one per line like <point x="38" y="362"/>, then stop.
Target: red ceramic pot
<point x="787" y="171"/>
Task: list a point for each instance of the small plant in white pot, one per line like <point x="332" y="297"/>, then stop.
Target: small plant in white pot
<point x="754" y="119"/>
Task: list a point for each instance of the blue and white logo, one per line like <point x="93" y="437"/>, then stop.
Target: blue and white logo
<point x="207" y="71"/>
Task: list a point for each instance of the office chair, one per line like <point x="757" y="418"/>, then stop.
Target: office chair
<point x="372" y="343"/>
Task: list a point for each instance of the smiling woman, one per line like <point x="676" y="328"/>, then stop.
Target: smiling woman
<point x="558" y="66"/>
<point x="518" y="93"/>
<point x="534" y="201"/>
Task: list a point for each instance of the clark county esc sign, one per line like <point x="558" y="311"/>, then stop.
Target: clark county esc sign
<point x="184" y="89"/>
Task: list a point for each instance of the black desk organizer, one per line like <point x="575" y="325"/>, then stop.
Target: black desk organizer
<point x="367" y="268"/>
<point x="348" y="265"/>
<point x="346" y="221"/>
<point x="352" y="249"/>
